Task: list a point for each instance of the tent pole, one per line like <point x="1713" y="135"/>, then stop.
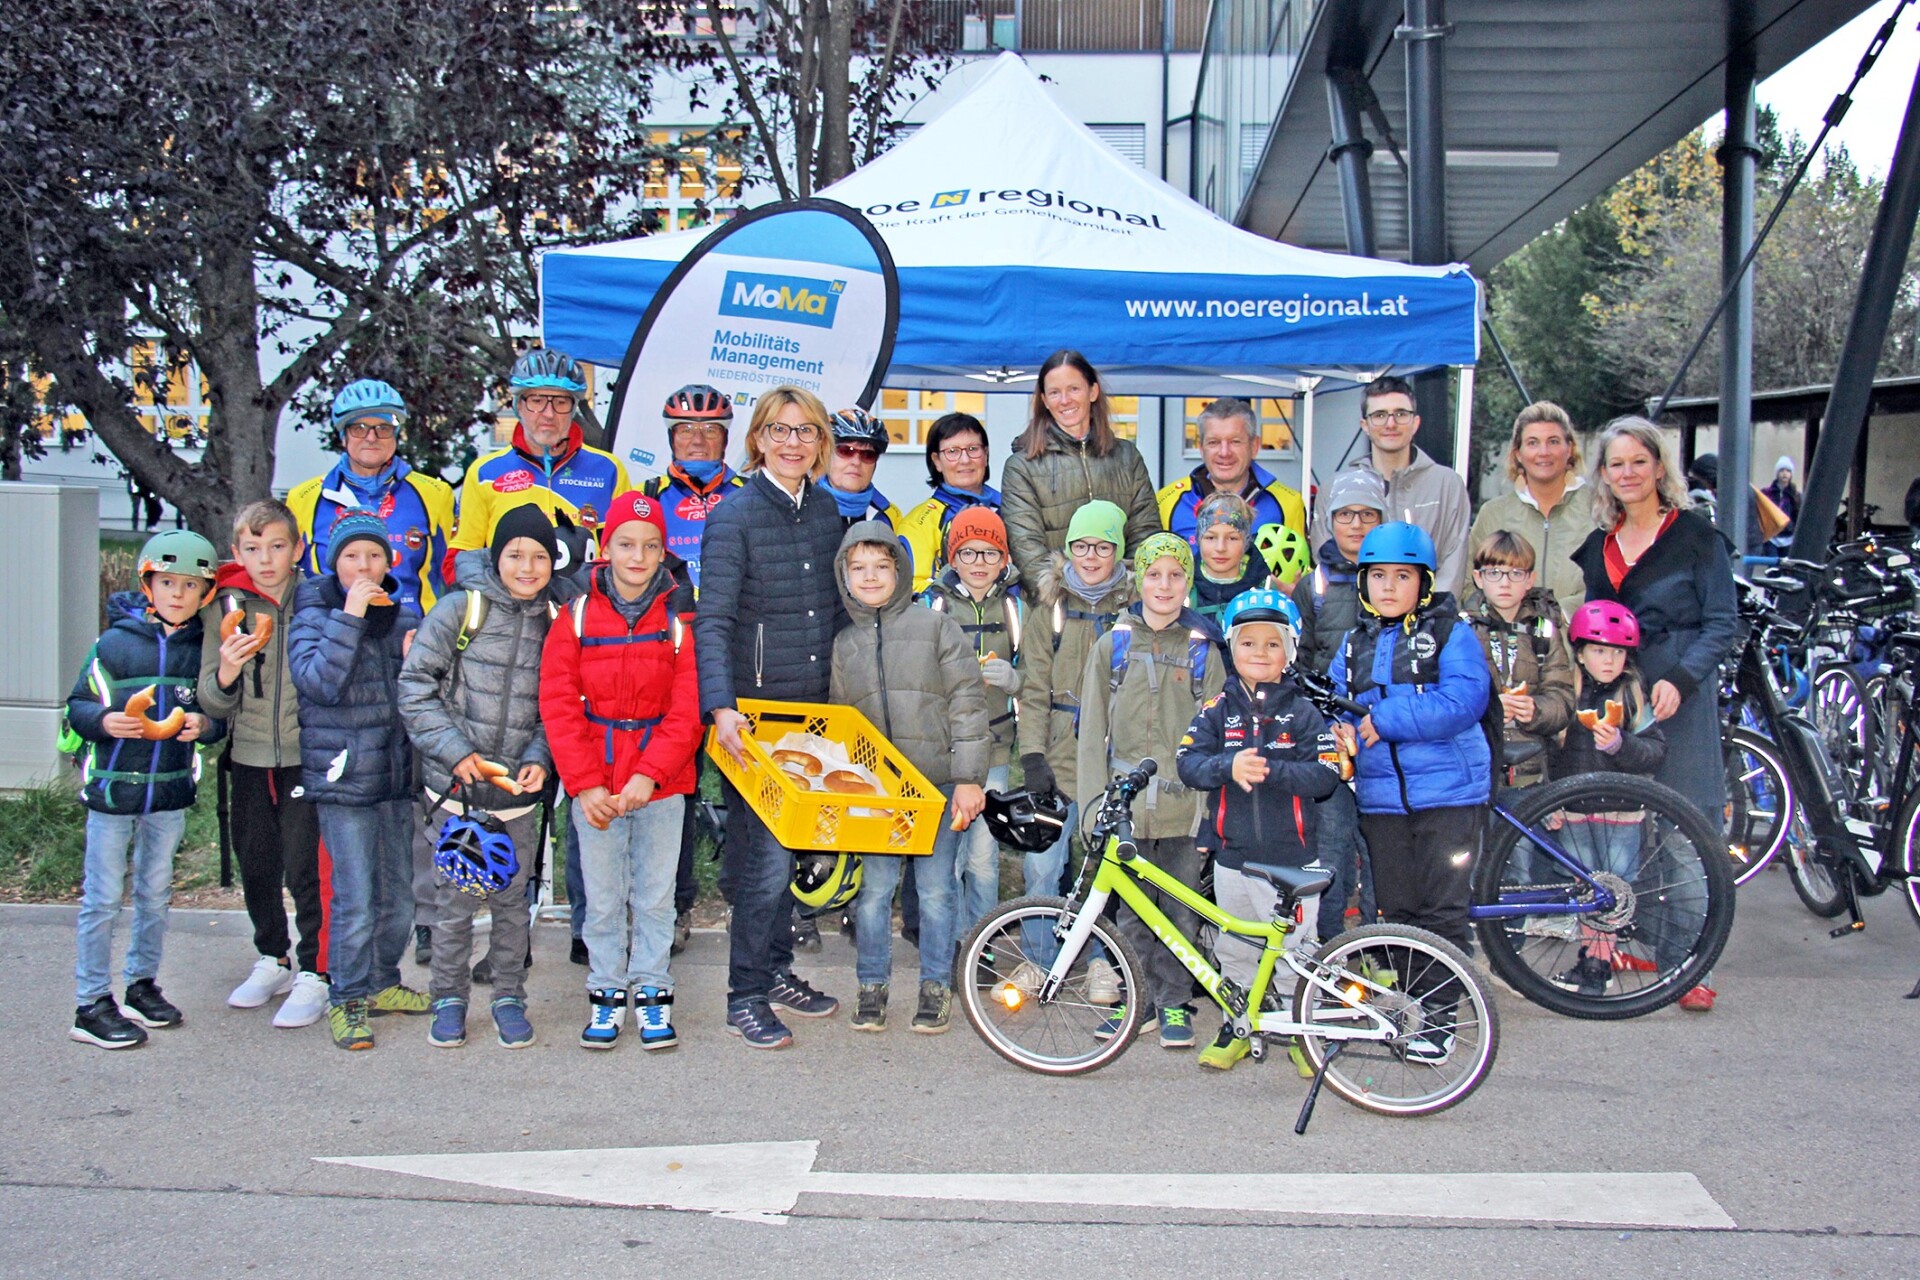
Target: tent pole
<point x="1306" y="386"/>
<point x="1463" y="421"/>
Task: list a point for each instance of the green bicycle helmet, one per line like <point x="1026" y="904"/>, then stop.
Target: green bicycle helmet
<point x="825" y="882"/>
<point x="1284" y="548"/>
<point x="179" y="551"/>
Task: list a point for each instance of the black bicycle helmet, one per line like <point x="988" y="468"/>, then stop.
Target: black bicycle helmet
<point x="857" y="426"/>
<point x="1026" y="820"/>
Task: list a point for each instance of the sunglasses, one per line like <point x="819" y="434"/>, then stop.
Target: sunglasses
<point x="860" y="451"/>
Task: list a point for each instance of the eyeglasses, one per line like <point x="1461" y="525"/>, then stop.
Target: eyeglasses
<point x="705" y="430"/>
<point x="1492" y="574"/>
<point x="1357" y="515"/>
<point x="984" y="555"/>
<point x="864" y="453"/>
<point x="547" y="404"/>
<point x="1398" y="417"/>
<point x="961" y="452"/>
<point x="371" y="431"/>
<point x="1099" y="549"/>
<point x="805" y="433"/>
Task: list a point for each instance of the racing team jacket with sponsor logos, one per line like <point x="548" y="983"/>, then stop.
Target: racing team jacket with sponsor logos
<point x="417" y="509"/>
<point x="685" y="503"/>
<point x="577" y="479"/>
<point x="1275" y="822"/>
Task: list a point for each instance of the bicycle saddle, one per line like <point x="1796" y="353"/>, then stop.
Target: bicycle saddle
<point x="1293" y="883"/>
<point x="1518" y="751"/>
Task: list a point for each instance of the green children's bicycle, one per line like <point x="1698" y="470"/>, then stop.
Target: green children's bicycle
<point x="1392" y="1018"/>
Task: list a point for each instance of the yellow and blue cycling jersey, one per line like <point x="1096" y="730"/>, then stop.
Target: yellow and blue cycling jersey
<point x="577" y="479"/>
<point x="417" y="509"/>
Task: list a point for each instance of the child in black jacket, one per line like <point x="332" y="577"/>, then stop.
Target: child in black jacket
<point x="1264" y="755"/>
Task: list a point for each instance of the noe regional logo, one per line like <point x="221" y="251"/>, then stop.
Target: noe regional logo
<point x="797" y="299"/>
<point x="1030" y="197"/>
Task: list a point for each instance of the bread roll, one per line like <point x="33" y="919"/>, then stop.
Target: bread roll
<point x="847" y="782"/>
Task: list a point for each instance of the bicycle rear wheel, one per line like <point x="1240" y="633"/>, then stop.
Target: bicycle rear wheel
<point x="998" y="969"/>
<point x="1449" y="1031"/>
<point x="1816" y="877"/>
<point x="1666" y="867"/>
<point x="1760" y="802"/>
<point x="1840" y="714"/>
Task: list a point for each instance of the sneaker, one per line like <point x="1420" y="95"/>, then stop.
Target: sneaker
<point x="422" y="945"/>
<point x="935" y="1012"/>
<point x="1430" y="1048"/>
<point x="1103" y="981"/>
<point x="755" y="1022"/>
<point x="101" y="1023"/>
<point x="1029" y="977"/>
<point x="682" y="932"/>
<point x="1378" y="974"/>
<point x="1624" y="963"/>
<point x="791" y="992"/>
<point x="609" y="1006"/>
<point x="870" y="1007"/>
<point x="349" y="1024"/>
<point x="268" y="978"/>
<point x="449" y="1029"/>
<point x="1590" y="975"/>
<point x="399" y="999"/>
<point x="1298" y="1056"/>
<point x="306" y="1004"/>
<point x="806" y="933"/>
<point x="653" y="1012"/>
<point x="1116" y="1019"/>
<point x="145" y="1005"/>
<point x="1699" y="1000"/>
<point x="577" y="953"/>
<point x="1226" y="1049"/>
<point x="510" y="1020"/>
<point x="1176" y="1028"/>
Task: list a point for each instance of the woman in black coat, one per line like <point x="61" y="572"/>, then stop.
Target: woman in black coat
<point x="769" y="607"/>
<point x="1671" y="567"/>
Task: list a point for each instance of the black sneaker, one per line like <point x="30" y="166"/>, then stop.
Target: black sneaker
<point x="806" y="933"/>
<point x="1590" y="975"/>
<point x="755" y="1022"/>
<point x="146" y="1006"/>
<point x="578" y="952"/>
<point x="791" y="992"/>
<point x="101" y="1023"/>
<point x="935" y="1013"/>
<point x="870" y="1007"/>
<point x="422" y="944"/>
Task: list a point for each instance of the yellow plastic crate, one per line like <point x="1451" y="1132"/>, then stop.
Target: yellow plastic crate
<point x="905" y="821"/>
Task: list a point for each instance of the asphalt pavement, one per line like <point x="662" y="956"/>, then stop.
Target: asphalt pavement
<point x="213" y="1150"/>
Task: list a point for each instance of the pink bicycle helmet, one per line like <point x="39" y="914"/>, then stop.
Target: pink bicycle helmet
<point x="1604" y="622"/>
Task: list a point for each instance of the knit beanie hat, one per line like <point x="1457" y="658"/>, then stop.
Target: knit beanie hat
<point x="525" y="521"/>
<point x="358" y="525"/>
<point x="1229" y="509"/>
<point x="630" y="506"/>
<point x="976" y="524"/>
<point x="1100" y="520"/>
<point x="1356" y="487"/>
<point x="1160" y="545"/>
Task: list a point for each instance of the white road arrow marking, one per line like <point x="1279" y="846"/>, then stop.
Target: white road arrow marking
<point x="764" y="1180"/>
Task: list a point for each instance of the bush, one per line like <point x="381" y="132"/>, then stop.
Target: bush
<point x="43" y="841"/>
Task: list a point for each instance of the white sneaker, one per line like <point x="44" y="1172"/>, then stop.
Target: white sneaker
<point x="268" y="979"/>
<point x="307" y="1003"/>
<point x="1103" y="982"/>
<point x="1028" y="976"/>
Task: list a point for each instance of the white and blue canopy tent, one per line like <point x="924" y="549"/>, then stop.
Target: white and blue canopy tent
<point x="1017" y="232"/>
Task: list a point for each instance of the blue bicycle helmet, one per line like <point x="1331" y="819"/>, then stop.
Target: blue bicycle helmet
<point x="368" y="398"/>
<point x="547" y="367"/>
<point x="475" y="854"/>
<point x="1261" y="605"/>
<point x="1399" y="543"/>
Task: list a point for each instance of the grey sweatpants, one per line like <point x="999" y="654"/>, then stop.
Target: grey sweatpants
<point x="452" y="973"/>
<point x="1239" y="894"/>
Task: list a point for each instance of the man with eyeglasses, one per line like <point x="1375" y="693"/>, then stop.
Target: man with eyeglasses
<point x="698" y="419"/>
<point x="1228" y="442"/>
<point x="548" y="465"/>
<point x="370" y="476"/>
<point x="1419" y="490"/>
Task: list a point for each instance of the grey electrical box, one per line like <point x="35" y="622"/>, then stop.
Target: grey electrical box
<point x="50" y="580"/>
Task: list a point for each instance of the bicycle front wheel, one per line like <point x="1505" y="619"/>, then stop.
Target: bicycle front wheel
<point x="1667" y="870"/>
<point x="1447" y="1032"/>
<point x="1815" y="876"/>
<point x="1839" y="712"/>
<point x="1760" y="802"/>
<point x="998" y="970"/>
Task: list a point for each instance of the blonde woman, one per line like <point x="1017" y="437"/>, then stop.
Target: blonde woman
<point x="1550" y="506"/>
<point x="769" y="607"/>
<point x="1669" y="566"/>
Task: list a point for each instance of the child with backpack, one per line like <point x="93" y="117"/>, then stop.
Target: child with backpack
<point x="1523" y="634"/>
<point x="136" y="705"/>
<point x="913" y="674"/>
<point x="620" y="697"/>
<point x="979" y="588"/>
<point x="470" y="698"/>
<point x="345" y="647"/>
<point x="1226" y="567"/>
<point x="1264" y="755"/>
<point x="1144" y="680"/>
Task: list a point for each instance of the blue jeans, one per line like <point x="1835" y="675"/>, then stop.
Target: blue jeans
<point x="760" y="935"/>
<point x="977" y="868"/>
<point x="630" y="870"/>
<point x="1341" y="849"/>
<point x="939" y="899"/>
<point x="1044" y="872"/>
<point x="152" y="837"/>
<point x="372" y="851"/>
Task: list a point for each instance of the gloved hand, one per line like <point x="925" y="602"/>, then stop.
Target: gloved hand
<point x="1039" y="773"/>
<point x="999" y="673"/>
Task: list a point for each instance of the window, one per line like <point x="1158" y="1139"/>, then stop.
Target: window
<point x="1275" y="423"/>
<point x="698" y="183"/>
<point x="171" y="400"/>
<point x="1130" y="140"/>
<point x="909" y="415"/>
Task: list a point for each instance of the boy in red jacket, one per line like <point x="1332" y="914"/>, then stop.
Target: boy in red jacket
<point x="622" y="711"/>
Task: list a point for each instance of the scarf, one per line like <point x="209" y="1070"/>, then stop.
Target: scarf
<point x="855" y="504"/>
<point x="1092" y="594"/>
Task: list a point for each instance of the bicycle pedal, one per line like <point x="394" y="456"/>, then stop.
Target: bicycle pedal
<point x="1257" y="1048"/>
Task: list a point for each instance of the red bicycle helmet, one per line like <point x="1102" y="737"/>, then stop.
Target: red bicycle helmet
<point x="698" y="402"/>
<point x="1604" y="622"/>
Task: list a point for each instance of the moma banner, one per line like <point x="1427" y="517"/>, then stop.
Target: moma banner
<point x="801" y="293"/>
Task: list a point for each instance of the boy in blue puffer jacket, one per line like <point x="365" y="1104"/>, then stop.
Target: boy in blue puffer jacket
<point x="348" y="639"/>
<point x="140" y="775"/>
<point x="1423" y="767"/>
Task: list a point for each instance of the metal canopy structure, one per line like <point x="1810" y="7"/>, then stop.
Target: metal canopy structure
<point x="1545" y="105"/>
